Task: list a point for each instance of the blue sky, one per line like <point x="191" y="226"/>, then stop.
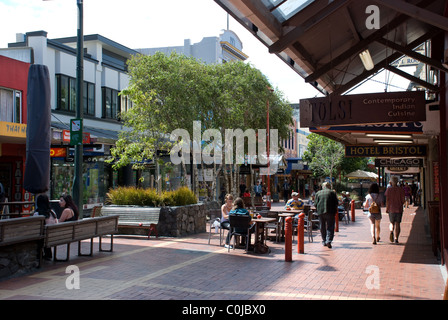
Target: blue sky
<point x="151" y="23"/>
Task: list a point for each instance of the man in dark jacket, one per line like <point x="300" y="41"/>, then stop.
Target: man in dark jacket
<point x="326" y="205"/>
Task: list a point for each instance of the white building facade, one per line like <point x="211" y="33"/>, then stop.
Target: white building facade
<point x="105" y="75"/>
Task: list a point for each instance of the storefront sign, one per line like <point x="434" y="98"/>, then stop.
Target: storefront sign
<point x="408" y="106"/>
<point x="58" y="152"/>
<point x="66" y="137"/>
<point x="396" y="127"/>
<point x="409" y="162"/>
<point x="10" y="129"/>
<point x="386" y="151"/>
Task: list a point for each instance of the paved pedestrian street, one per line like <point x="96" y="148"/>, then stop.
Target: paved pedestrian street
<point x="190" y="269"/>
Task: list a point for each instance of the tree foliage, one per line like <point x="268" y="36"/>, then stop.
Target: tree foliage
<point x="172" y="91"/>
<point x="324" y="155"/>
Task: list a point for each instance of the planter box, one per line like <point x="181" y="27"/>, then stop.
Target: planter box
<point x="176" y="221"/>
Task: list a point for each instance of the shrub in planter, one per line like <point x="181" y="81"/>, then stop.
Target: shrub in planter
<point x="150" y="197"/>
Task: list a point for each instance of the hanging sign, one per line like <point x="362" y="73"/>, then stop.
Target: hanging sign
<point x="75" y="132"/>
<point x="385" y="151"/>
<point x="408" y="106"/>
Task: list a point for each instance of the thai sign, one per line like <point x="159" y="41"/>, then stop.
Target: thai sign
<point x="408" y="106"/>
<point x="385" y="151"/>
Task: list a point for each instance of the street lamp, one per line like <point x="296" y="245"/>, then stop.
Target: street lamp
<point x="77" y="181"/>
<point x="268" y="195"/>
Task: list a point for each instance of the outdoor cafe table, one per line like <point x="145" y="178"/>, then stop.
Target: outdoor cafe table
<point x="260" y="224"/>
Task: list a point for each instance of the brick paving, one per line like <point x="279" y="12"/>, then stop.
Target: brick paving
<point x="190" y="269"/>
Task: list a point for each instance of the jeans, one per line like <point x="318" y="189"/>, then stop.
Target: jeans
<point x="327" y="222"/>
<point x="226" y="225"/>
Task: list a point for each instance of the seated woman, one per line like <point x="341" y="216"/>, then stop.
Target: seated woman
<point x="238" y="209"/>
<point x="70" y="211"/>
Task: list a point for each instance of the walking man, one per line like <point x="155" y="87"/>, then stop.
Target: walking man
<point x="326" y="205"/>
<point x="394" y="207"/>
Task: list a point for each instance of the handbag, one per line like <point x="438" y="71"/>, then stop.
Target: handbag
<point x="374" y="208"/>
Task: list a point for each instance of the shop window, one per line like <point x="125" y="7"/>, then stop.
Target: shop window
<point x="10" y="105"/>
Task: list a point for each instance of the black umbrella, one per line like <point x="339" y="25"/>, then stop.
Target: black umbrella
<point x="38" y="133"/>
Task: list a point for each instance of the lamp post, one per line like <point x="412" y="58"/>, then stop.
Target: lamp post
<point x="268" y="195"/>
<point x="77" y="182"/>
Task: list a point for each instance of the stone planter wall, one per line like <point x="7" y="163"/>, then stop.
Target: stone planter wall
<point x="18" y="259"/>
<point x="179" y="221"/>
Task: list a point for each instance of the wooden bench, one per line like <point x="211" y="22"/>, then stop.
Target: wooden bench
<point x="135" y="217"/>
<point x="66" y="233"/>
<point x="19" y="230"/>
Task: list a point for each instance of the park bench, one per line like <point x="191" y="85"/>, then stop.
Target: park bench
<point x="65" y="233"/>
<point x="19" y="230"/>
<point x="135" y="217"/>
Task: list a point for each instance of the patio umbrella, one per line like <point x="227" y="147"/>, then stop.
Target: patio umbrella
<point x="361" y="174"/>
<point x="38" y="136"/>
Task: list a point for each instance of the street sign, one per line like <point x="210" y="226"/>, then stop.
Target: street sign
<point x="76" y="132"/>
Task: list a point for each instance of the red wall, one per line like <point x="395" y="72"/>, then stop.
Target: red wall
<point x="14" y="75"/>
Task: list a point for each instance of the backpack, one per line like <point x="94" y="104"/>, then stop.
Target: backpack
<point x="374" y="207"/>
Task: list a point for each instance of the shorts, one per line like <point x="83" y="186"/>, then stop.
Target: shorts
<point x="375" y="216"/>
<point x="395" y="217"/>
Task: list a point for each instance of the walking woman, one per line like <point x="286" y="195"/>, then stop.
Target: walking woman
<point x="374" y="215"/>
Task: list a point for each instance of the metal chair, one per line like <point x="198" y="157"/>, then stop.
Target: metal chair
<point x="346" y="212"/>
<point x="215" y="223"/>
<point x="274" y="226"/>
<point x="239" y="226"/>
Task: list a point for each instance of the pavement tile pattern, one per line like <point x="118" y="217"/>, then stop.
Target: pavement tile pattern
<point x="189" y="269"/>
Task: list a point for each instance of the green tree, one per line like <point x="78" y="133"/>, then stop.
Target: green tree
<point x="171" y="92"/>
<point x="324" y="155"/>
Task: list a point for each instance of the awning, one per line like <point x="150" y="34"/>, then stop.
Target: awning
<point x="102" y="135"/>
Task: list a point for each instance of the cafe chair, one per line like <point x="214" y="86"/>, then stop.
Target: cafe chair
<point x="240" y="226"/>
<point x="215" y="225"/>
<point x="309" y="224"/>
<point x="347" y="208"/>
<point x="276" y="226"/>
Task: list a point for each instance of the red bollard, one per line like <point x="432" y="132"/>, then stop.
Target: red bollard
<point x="353" y="210"/>
<point x="288" y="239"/>
<point x="301" y="233"/>
<point x="336" y="221"/>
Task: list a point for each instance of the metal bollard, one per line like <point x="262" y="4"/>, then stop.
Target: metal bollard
<point x="301" y="233"/>
<point x="353" y="210"/>
<point x="336" y="221"/>
<point x="288" y="239"/>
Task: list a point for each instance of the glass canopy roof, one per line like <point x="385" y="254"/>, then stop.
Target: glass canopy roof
<point x="285" y="9"/>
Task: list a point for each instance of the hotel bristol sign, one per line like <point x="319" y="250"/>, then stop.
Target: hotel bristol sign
<point x="385" y="151"/>
<point x="408" y="106"/>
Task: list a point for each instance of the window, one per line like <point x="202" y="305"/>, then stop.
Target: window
<point x="89" y="98"/>
<point x="125" y="103"/>
<point x="110" y="103"/>
<point x="10" y="105"/>
<point x="66" y="95"/>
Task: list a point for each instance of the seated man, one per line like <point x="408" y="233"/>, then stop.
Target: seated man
<point x="295" y="203"/>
